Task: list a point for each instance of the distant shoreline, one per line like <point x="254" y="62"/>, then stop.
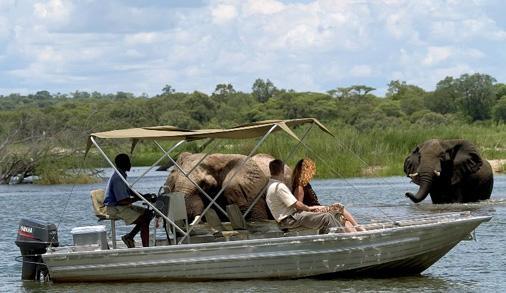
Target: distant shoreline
<point x="499" y="166"/>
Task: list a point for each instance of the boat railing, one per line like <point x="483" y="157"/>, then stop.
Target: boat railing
<point x="417" y="220"/>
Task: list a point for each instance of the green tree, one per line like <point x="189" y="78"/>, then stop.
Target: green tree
<point x="432" y="119"/>
<point x="223" y="89"/>
<point x="123" y="96"/>
<point x="444" y="99"/>
<point x="42" y="95"/>
<point x="473" y="95"/>
<point x="353" y="93"/>
<point x="500" y="90"/>
<point x="390" y="108"/>
<point x="80" y="95"/>
<point x="499" y="110"/>
<point x="411" y="97"/>
<point x="263" y="90"/>
<point x="168" y="89"/>
<point x="200" y="107"/>
<point x="400" y="90"/>
<point x="476" y="95"/>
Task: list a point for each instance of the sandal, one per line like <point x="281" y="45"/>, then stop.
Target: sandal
<point x="129" y="242"/>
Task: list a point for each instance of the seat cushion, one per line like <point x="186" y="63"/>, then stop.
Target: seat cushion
<point x="97" y="201"/>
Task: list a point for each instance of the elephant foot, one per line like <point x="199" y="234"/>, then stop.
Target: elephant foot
<point x="412" y="197"/>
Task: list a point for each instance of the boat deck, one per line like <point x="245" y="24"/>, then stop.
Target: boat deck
<point x="386" y="248"/>
<point x="268" y="229"/>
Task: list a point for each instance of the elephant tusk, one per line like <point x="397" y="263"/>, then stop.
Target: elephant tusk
<point x="413" y="175"/>
<point x="437" y="173"/>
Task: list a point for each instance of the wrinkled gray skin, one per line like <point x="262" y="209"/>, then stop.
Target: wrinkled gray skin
<point x="217" y="170"/>
<point x="451" y="171"/>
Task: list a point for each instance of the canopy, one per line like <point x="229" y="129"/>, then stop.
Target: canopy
<point x="252" y="130"/>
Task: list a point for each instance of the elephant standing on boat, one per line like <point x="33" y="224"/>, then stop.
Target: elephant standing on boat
<point x="217" y="170"/>
<point x="451" y="171"/>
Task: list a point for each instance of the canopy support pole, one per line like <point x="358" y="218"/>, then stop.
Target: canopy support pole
<point x="159" y="160"/>
<point x="137" y="193"/>
<point x="257" y="197"/>
<point x="232" y="177"/>
<point x="339" y="175"/>
<point x="191" y="180"/>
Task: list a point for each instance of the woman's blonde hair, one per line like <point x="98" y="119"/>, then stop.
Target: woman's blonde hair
<point x="303" y="172"/>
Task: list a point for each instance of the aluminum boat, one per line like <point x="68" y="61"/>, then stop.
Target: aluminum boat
<point x="390" y="247"/>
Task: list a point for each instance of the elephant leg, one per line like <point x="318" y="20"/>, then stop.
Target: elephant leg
<point x="194" y="206"/>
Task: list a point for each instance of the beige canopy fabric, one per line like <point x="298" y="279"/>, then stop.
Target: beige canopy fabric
<point x="252" y="130"/>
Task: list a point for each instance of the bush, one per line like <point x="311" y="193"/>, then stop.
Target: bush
<point x="499" y="110"/>
<point x="432" y="119"/>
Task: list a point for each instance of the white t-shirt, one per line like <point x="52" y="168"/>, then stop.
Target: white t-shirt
<point x="280" y="200"/>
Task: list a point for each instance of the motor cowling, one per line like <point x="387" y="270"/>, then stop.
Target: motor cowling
<point x="34" y="237"/>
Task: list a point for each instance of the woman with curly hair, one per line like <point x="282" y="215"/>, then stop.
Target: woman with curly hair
<point x="302" y="174"/>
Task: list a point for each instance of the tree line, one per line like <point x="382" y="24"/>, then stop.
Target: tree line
<point x="64" y="120"/>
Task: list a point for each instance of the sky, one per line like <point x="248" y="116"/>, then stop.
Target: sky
<point x="307" y="45"/>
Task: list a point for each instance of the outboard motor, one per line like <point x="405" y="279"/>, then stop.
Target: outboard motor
<point x="33" y="239"/>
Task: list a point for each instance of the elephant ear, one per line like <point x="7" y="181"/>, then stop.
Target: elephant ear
<point x="466" y="160"/>
<point x="412" y="161"/>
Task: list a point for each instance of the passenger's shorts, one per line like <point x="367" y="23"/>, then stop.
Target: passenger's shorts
<point x="128" y="213"/>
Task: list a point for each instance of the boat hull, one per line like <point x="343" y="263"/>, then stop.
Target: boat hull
<point x="382" y="252"/>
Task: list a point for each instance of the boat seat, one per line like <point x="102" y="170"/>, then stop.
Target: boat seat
<point x="236" y="219"/>
<point x="214" y="221"/>
<point x="97" y="201"/>
<point x="174" y="207"/>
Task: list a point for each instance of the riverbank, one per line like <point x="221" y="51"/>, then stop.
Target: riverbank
<point x="352" y="153"/>
<point x="349" y="153"/>
<point x="499" y="166"/>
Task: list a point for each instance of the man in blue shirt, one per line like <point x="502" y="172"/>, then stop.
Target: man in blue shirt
<point x="118" y="201"/>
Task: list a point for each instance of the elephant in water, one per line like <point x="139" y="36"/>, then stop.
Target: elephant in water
<point x="451" y="171"/>
<point x="217" y="170"/>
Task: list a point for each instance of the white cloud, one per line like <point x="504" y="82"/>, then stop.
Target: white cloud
<point x="52" y="10"/>
<point x="455" y="70"/>
<point x="141" y="38"/>
<point x="361" y="71"/>
<point x="472" y="53"/>
<point x="465" y="29"/>
<point x="4" y="28"/>
<point x="267" y="7"/>
<point x="436" y="55"/>
<point x="395" y="25"/>
<point x="223" y="13"/>
<point x="306" y="45"/>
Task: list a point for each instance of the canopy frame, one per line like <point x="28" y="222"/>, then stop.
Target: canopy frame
<point x="189" y="135"/>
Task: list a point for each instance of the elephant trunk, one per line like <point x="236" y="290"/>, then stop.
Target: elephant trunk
<point x="423" y="191"/>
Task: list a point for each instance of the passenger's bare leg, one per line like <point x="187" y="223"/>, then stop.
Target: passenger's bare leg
<point x="352" y="221"/>
<point x="348" y="227"/>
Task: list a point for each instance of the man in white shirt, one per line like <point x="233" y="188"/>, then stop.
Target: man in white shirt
<point x="287" y="210"/>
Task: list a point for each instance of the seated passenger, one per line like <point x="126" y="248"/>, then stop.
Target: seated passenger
<point x="119" y="204"/>
<point x="288" y="211"/>
<point x="302" y="174"/>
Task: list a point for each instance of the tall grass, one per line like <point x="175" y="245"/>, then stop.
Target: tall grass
<point x="69" y="169"/>
<point x="378" y="152"/>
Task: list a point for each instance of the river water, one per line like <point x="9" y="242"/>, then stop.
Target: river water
<point x="472" y="266"/>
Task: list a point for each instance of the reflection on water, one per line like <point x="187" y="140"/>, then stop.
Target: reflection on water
<point x="416" y="284"/>
<point x="471" y="266"/>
